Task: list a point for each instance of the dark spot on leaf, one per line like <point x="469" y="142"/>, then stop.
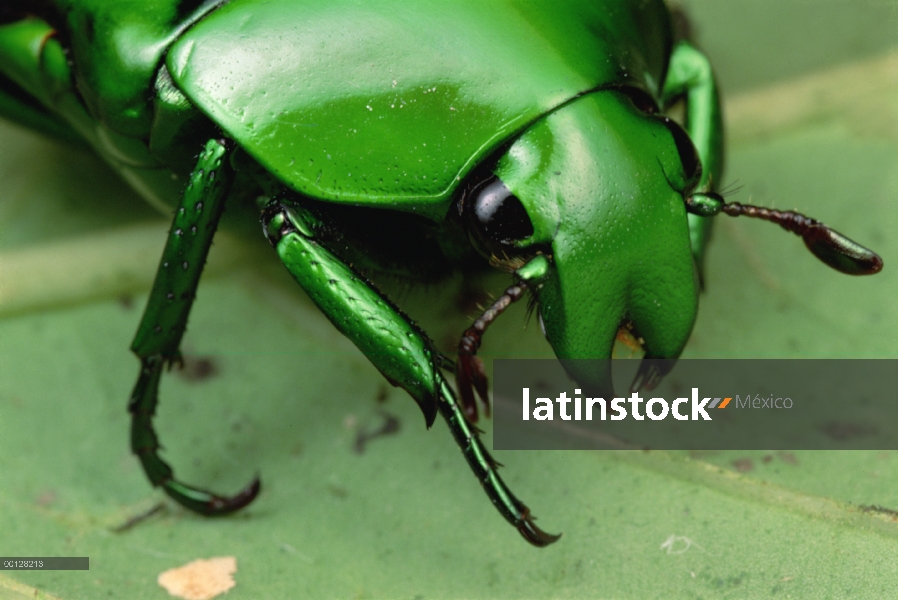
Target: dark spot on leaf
<point x="743" y="465"/>
<point x="787" y="457"/>
<point x="337" y="491"/>
<point x="542" y="384"/>
<point x="879" y="509"/>
<point x="46" y="498"/>
<point x="382" y="394"/>
<point x="198" y="368"/>
<point x="390" y="427"/>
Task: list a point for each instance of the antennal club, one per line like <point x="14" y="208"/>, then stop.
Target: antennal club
<point x="830" y="246"/>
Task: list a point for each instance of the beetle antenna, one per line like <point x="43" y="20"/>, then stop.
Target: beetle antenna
<point x="470" y="374"/>
<point x="830" y="246"/>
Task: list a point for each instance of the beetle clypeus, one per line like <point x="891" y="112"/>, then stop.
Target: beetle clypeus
<point x="533" y="135"/>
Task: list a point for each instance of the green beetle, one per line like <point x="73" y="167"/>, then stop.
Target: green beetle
<point x="406" y="137"/>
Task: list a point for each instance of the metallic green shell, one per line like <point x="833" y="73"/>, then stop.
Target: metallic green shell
<point x="116" y="48"/>
<point x="393" y="102"/>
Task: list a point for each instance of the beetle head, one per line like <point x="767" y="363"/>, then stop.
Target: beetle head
<point x="597" y="188"/>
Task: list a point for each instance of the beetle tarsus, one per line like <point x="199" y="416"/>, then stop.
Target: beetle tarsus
<point x="208" y="503"/>
<point x="470" y="375"/>
<point x="145" y="445"/>
<point x="485" y="468"/>
<point x="534" y="534"/>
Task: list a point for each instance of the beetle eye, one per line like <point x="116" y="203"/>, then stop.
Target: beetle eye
<point x="692" y="165"/>
<point x="495" y="217"/>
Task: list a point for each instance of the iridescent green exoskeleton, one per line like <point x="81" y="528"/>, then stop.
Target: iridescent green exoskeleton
<point x="396" y="133"/>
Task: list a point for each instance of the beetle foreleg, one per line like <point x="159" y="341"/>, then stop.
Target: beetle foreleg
<point x="690" y="75"/>
<point x="165" y="319"/>
<point x="470" y="375"/>
<point x="399" y="350"/>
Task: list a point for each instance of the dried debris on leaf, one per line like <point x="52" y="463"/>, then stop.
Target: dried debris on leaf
<point x="201" y="579"/>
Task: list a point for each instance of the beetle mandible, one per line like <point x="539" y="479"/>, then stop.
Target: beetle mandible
<point x="533" y="135"/>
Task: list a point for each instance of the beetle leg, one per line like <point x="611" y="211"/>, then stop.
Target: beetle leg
<point x="16" y="106"/>
<point x="165" y="319"/>
<point x="386" y="336"/>
<point x="485" y="468"/>
<point x="35" y="77"/>
<point x="690" y="75"/>
<point x="470" y="374"/>
<point x="399" y="350"/>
